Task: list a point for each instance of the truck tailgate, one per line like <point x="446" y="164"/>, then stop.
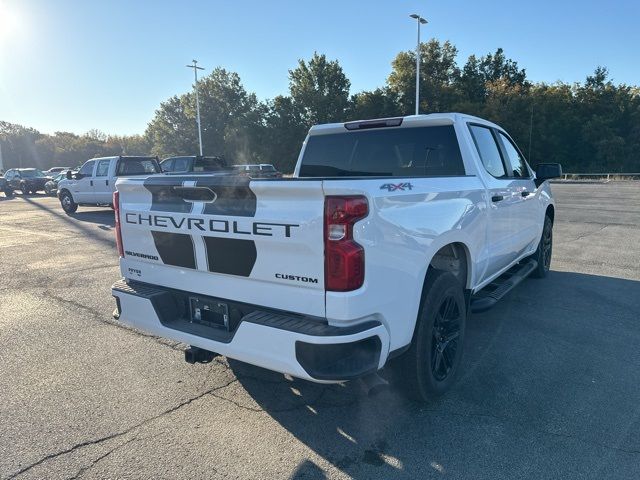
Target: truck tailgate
<point x="229" y="237"/>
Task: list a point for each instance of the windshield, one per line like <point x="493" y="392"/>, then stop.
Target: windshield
<point x="31" y="173"/>
<point x="137" y="166"/>
<point x="397" y="152"/>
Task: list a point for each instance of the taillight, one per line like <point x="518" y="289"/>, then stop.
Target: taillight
<point x="116" y="209"/>
<point x="343" y="256"/>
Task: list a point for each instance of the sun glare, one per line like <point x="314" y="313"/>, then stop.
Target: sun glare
<point x="9" y="22"/>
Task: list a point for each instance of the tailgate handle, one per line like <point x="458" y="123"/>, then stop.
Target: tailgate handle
<point x="196" y="194"/>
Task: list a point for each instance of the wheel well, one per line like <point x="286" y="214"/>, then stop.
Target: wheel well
<point x="455" y="259"/>
<point x="551" y="212"/>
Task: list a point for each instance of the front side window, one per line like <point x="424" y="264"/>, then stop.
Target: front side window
<point x="167" y="166"/>
<point x="181" y="164"/>
<point x="87" y="169"/>
<point x="32" y="173"/>
<point x="488" y="150"/>
<point x="515" y="162"/>
<point x="103" y="168"/>
<point x="395" y="152"/>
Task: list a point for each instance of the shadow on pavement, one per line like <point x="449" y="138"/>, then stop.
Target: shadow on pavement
<point x="104" y="218"/>
<point x="536" y="393"/>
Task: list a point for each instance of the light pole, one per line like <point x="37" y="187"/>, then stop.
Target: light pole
<point x="195" y="73"/>
<point x="419" y="21"/>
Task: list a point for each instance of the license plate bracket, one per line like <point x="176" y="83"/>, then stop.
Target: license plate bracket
<point x="211" y="313"/>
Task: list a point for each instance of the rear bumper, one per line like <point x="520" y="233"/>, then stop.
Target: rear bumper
<point x="285" y="342"/>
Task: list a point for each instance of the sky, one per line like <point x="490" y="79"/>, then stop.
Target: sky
<point x="76" y="65"/>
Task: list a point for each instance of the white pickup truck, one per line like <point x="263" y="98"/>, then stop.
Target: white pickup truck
<point x="94" y="183"/>
<point x="388" y="234"/>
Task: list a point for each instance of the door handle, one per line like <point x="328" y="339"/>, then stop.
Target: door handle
<point x="497" y="198"/>
<point x="525" y="194"/>
<point x="106" y="182"/>
<point x="91" y="183"/>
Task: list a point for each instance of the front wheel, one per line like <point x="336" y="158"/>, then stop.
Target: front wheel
<point x="68" y="205"/>
<point x="428" y="369"/>
<point x="544" y="250"/>
<point x="8" y="192"/>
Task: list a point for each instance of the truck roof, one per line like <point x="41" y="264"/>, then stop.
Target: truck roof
<point x="431" y="119"/>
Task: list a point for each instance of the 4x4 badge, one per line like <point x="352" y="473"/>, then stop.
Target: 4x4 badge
<point x="392" y="187"/>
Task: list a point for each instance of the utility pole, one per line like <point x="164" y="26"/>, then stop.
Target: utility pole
<point x="195" y="73"/>
<point x="419" y="21"/>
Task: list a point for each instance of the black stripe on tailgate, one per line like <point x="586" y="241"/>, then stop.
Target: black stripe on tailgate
<point x="233" y="195"/>
<point x="232" y="256"/>
<point x="175" y="248"/>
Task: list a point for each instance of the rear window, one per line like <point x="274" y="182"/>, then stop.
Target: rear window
<point x="398" y="152"/>
<point x="137" y="166"/>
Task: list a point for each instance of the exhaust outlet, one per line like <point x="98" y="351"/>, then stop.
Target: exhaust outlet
<point x="374" y="384"/>
<point x="194" y="355"/>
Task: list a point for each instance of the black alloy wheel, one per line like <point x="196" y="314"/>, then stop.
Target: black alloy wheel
<point x="445" y="335"/>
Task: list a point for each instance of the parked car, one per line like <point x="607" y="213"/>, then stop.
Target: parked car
<point x="52" y="172"/>
<point x="51" y="187"/>
<point x="262" y="170"/>
<point x="5" y="187"/>
<point x="27" y="180"/>
<point x="94" y="183"/>
<point x="389" y="233"/>
<point x="193" y="163"/>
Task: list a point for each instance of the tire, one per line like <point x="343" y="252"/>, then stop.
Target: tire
<point x="24" y="189"/>
<point x="428" y="369"/>
<point x="67" y="203"/>
<point x="544" y="250"/>
<point x="8" y="193"/>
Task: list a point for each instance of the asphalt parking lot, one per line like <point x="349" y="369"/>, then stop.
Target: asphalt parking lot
<point x="550" y="385"/>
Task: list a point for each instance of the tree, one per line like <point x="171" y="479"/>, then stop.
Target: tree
<point x="379" y="103"/>
<point x="320" y="90"/>
<point x="439" y="74"/>
<point x="225" y="110"/>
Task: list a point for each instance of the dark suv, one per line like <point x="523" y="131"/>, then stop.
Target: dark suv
<point x="194" y="163"/>
<point x="27" y="180"/>
<point x="4" y="187"/>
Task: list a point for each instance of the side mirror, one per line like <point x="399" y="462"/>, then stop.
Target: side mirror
<point x="546" y="171"/>
<point x="69" y="175"/>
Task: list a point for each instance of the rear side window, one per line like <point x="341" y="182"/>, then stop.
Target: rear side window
<point x="398" y="152"/>
<point x="137" y="166"/>
<point x="517" y="166"/>
<point x="208" y="164"/>
<point x="103" y="168"/>
<point x="488" y="150"/>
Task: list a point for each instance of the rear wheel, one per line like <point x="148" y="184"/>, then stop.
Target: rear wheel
<point x="545" y="247"/>
<point x="8" y="192"/>
<point x="68" y="205"/>
<point x="428" y="369"/>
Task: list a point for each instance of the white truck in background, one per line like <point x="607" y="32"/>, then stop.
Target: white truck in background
<point x="94" y="183"/>
<point x="389" y="233"/>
